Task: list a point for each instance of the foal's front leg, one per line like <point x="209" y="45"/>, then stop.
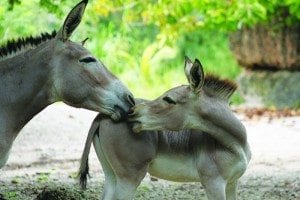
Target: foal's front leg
<point x="231" y="191"/>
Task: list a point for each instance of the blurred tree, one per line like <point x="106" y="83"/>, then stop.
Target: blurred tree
<point x="175" y="17"/>
<point x="12" y="3"/>
<point x="52" y="6"/>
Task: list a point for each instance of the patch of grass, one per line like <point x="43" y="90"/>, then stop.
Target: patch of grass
<point x="144" y="187"/>
<point x="16" y="180"/>
<point x="43" y="177"/>
<point x="73" y="175"/>
<point x="30" y="189"/>
<point x="59" y="193"/>
<point x="11" y="195"/>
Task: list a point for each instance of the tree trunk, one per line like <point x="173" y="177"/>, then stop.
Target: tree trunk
<point x="266" y="48"/>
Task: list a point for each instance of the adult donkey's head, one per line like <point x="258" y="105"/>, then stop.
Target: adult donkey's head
<point x="80" y="80"/>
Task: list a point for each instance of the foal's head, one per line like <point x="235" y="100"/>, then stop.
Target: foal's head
<point x="195" y="106"/>
<point x="80" y="79"/>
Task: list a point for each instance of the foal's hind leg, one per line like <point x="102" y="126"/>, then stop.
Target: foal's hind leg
<point x="110" y="179"/>
<point x="126" y="154"/>
<point x="127" y="184"/>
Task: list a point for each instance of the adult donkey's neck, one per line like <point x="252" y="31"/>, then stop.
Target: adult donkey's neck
<point x="25" y="87"/>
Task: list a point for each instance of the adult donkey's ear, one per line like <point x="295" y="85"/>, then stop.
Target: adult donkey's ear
<point x="72" y="21"/>
<point x="194" y="73"/>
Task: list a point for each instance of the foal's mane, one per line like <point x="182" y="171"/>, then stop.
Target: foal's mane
<point x="15" y="45"/>
<point x="223" y="88"/>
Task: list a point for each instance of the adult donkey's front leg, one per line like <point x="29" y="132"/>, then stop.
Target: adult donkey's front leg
<point x="4" y="154"/>
<point x="5" y="146"/>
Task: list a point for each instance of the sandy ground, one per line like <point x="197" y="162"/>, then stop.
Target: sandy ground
<point x="45" y="158"/>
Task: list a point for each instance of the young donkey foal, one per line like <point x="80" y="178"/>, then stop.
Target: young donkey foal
<point x="197" y="138"/>
<point x="36" y="72"/>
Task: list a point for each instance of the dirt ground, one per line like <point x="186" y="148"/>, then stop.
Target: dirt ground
<point x="45" y="158"/>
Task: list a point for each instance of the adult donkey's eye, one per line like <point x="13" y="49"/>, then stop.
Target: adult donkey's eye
<point x="88" y="60"/>
<point x="169" y="100"/>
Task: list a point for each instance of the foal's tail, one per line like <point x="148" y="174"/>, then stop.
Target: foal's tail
<point x="84" y="162"/>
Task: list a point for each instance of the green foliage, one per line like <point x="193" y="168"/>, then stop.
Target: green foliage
<point x="12" y="195"/>
<point x="43" y="177"/>
<point x="175" y="17"/>
<point x="12" y="3"/>
<point x="52" y="6"/>
<point x="142" y="42"/>
<point x="12" y="24"/>
<point x="16" y="180"/>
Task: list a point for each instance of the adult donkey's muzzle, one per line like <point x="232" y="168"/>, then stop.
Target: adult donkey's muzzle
<point x="124" y="111"/>
<point x="130" y="100"/>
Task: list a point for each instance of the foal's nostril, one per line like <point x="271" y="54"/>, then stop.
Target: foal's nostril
<point x="130" y="99"/>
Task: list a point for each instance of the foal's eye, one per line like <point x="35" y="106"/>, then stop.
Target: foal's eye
<point x="169" y="100"/>
<point x="88" y="60"/>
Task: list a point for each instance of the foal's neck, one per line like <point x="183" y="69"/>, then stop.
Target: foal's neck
<point x="220" y="123"/>
<point x="25" y="85"/>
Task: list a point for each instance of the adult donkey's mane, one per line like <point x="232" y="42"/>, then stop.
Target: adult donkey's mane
<point x="216" y="86"/>
<point x="21" y="44"/>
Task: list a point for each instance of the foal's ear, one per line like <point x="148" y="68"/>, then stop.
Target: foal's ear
<point x="194" y="73"/>
<point x="72" y="21"/>
<point x="187" y="67"/>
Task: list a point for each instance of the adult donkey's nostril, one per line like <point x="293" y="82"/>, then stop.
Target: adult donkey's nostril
<point x="130" y="111"/>
<point x="130" y="99"/>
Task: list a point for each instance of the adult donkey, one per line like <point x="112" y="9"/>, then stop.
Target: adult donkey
<point x="205" y="143"/>
<point x="36" y="72"/>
